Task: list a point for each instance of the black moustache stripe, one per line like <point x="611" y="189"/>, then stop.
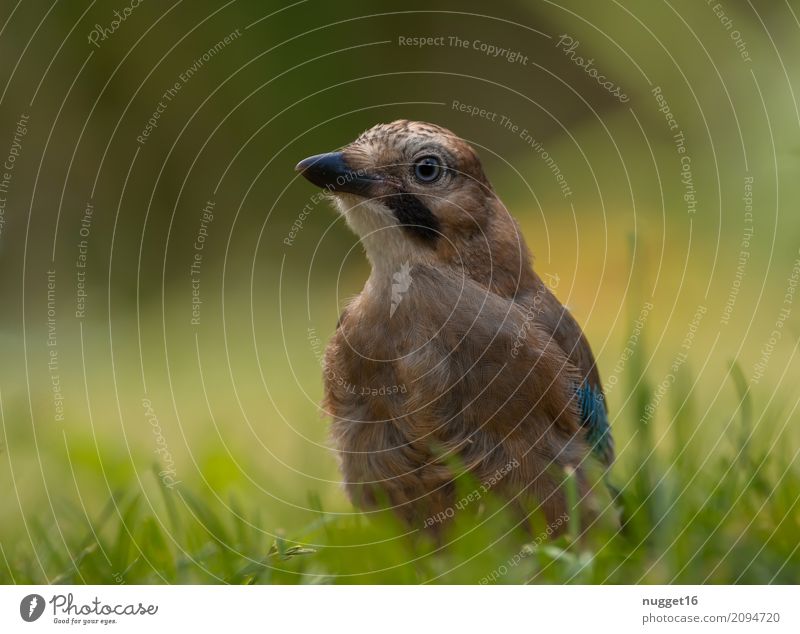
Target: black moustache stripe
<point x="414" y="217"/>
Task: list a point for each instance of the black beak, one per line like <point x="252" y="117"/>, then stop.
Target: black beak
<point x="330" y="171"/>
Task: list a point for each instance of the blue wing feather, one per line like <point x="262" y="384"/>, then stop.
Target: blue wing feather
<point x="594" y="418"/>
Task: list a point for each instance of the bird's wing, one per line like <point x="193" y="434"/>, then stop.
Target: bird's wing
<point x="594" y="417"/>
<point x="566" y="332"/>
<point x="490" y="352"/>
<point x="557" y="320"/>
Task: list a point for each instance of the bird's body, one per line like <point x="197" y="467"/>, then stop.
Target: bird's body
<point x="455" y="348"/>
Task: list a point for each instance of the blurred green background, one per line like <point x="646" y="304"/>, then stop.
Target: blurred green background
<point x="227" y="404"/>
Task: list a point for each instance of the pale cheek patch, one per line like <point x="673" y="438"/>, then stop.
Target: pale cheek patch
<point x="364" y="217"/>
<point x="383" y="238"/>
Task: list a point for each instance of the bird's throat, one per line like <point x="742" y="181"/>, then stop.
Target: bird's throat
<point x="386" y="244"/>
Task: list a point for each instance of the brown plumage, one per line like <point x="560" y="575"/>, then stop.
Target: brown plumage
<point x="455" y="347"/>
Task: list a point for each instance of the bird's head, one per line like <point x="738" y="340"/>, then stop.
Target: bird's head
<point x="416" y="192"/>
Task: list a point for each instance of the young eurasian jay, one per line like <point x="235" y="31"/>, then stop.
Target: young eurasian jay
<point x="455" y="348"/>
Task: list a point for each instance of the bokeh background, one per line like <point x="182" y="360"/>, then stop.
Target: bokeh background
<point x="680" y="265"/>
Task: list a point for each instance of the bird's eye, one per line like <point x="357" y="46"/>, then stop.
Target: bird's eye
<point x="427" y="169"/>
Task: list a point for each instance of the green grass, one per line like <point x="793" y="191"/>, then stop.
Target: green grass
<point x="692" y="515"/>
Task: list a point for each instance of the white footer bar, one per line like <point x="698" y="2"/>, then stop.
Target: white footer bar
<point x="401" y="609"/>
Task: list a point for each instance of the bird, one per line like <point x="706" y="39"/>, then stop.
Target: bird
<point x="456" y="352"/>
